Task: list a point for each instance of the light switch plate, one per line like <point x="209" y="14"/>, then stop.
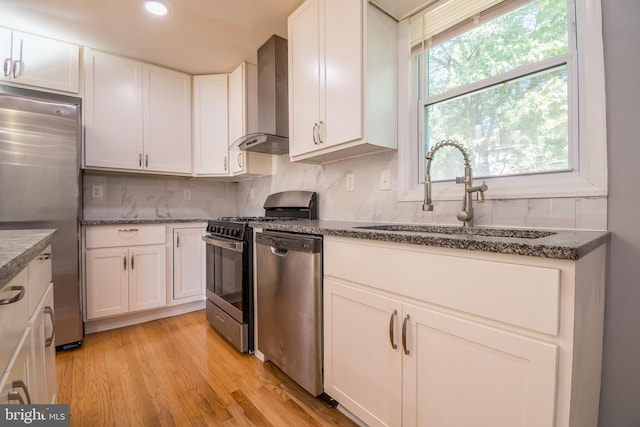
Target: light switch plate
<point x="97" y="191"/>
<point x="350" y="182"/>
<point x="385" y="180"/>
<point x="186" y="194"/>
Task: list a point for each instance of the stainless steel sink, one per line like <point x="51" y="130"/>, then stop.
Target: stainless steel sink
<point x="474" y="231"/>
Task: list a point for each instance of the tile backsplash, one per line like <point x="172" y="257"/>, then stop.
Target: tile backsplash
<point x="149" y="197"/>
<point x="144" y="196"/>
<point x="368" y="203"/>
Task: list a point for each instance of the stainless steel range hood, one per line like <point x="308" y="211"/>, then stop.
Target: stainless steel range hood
<point x="273" y="101"/>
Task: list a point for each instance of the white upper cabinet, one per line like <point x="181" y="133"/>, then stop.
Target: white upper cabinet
<point x="342" y="80"/>
<point x="137" y="116"/>
<point x="38" y="61"/>
<point x="167" y="120"/>
<point x="243" y="119"/>
<point x="210" y="125"/>
<point x="113" y="112"/>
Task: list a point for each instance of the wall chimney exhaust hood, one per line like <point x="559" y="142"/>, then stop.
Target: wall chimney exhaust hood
<point x="273" y="101"/>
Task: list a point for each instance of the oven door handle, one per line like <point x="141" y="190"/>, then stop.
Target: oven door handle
<point x="225" y="244"/>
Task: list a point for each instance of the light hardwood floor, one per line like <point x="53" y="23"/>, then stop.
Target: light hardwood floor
<point x="179" y="372"/>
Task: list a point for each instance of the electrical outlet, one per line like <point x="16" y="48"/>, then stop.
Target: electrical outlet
<point x="186" y="194"/>
<point x="350" y="183"/>
<point x="385" y="180"/>
<point x="97" y="191"/>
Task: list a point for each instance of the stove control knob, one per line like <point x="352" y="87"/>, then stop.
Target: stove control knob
<point x="235" y="232"/>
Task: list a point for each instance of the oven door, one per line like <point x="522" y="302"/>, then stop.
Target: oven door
<point x="225" y="275"/>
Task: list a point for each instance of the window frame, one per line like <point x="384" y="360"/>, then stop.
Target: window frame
<point x="588" y="176"/>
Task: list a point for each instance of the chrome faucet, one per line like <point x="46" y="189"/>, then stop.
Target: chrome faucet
<point x="466" y="214"/>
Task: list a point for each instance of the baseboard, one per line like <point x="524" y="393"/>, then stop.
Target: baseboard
<point x="93" y="326"/>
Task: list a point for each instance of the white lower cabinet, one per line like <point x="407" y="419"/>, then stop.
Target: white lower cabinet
<point x="44" y="350"/>
<point x="19" y="380"/>
<point x="361" y="369"/>
<point x="462" y="373"/>
<point x="420" y="365"/>
<point x="188" y="263"/>
<point x="419" y="336"/>
<point x="123" y="280"/>
<point x="27" y="335"/>
<point x="125" y="270"/>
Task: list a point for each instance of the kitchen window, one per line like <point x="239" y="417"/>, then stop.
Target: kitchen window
<point x="516" y="82"/>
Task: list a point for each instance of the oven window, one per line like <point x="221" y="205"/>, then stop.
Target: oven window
<point x="224" y="274"/>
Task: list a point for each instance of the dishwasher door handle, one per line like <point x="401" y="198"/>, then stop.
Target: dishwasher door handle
<point x="279" y="251"/>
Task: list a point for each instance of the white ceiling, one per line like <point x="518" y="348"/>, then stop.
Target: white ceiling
<point x="197" y="37"/>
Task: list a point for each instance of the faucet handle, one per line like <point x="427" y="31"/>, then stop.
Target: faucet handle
<point x="481" y="191"/>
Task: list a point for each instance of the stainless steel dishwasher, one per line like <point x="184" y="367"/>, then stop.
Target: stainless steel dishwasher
<point x="289" y="303"/>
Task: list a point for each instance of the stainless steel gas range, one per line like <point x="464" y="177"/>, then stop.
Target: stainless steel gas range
<point x="229" y="264"/>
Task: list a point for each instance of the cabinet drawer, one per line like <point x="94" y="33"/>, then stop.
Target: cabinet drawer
<point x="124" y="235"/>
<point x="39" y="277"/>
<point x="517" y="294"/>
<point x="14" y="315"/>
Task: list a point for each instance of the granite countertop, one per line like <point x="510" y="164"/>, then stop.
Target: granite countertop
<point x="116" y="221"/>
<point x="558" y="244"/>
<point x="19" y="247"/>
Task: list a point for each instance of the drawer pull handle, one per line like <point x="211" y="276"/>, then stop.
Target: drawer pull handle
<point x="132" y="260"/>
<point x="7" y="67"/>
<point x="44" y="257"/>
<point x="391" y="329"/>
<point x="49" y="340"/>
<point x="124" y="261"/>
<point x="17" y="297"/>
<point x="14" y="395"/>
<point x="127" y="230"/>
<point x="404" y="335"/>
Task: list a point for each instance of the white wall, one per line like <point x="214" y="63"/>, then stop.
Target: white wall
<point x="620" y="398"/>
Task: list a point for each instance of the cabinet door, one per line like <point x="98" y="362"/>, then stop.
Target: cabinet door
<point x="362" y="370"/>
<point x="305" y="70"/>
<point x="210" y="125"/>
<point x="167" y="120"/>
<point x="43" y="390"/>
<point x="45" y="63"/>
<point x="107" y="282"/>
<point x="459" y="373"/>
<point x="14" y="315"/>
<point x="342" y="113"/>
<point x="5" y="54"/>
<point x="113" y="112"/>
<point x="16" y="385"/>
<point x="147" y="277"/>
<point x="239" y="104"/>
<point x="188" y="262"/>
<point x="48" y="316"/>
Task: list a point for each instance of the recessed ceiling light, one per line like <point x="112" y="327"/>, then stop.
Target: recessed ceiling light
<point x="156" y="8"/>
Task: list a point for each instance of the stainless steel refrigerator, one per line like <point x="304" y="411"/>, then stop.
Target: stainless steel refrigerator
<point x="40" y="188"/>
